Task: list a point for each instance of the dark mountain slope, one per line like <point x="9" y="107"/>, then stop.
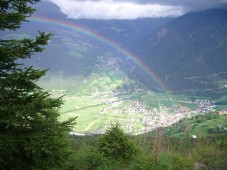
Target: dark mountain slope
<point x="70" y="53"/>
<point x="191" y="51"/>
<point x="127" y="33"/>
<point x="188" y="53"/>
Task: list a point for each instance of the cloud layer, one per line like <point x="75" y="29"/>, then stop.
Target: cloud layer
<point x="133" y="9"/>
<point x="109" y="9"/>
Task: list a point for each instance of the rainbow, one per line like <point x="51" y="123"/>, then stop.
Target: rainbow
<point x="113" y="45"/>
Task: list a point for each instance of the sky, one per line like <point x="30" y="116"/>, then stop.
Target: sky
<point x="133" y="9"/>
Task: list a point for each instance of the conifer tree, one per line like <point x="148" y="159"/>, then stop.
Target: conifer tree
<point x="31" y="137"/>
<point x="116" y="145"/>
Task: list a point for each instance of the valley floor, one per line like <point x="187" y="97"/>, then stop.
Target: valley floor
<point x="138" y="112"/>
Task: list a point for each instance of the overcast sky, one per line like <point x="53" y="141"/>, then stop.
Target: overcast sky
<point x="133" y="9"/>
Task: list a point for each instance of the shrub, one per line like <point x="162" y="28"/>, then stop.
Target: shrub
<point x="115" y="144"/>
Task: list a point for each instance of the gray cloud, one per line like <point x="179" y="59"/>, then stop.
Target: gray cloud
<point x="132" y="9"/>
<point x="189" y="5"/>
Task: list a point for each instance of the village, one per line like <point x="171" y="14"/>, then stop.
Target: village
<point x="136" y="118"/>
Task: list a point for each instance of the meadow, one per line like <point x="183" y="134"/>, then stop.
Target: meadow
<point x="98" y="110"/>
<point x="111" y="96"/>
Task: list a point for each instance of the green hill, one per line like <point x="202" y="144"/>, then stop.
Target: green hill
<point x="200" y="125"/>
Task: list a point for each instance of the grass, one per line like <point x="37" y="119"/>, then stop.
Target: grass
<point x="89" y="111"/>
<point x="92" y="116"/>
<point x="89" y="100"/>
<point x="87" y="114"/>
<point x="158" y="152"/>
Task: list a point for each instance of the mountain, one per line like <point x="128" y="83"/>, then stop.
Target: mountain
<point x="127" y="33"/>
<point x="190" y="51"/>
<point x="71" y="53"/>
<point x="187" y="53"/>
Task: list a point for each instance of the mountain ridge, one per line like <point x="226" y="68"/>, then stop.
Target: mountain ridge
<point x="187" y="53"/>
<point x="186" y="43"/>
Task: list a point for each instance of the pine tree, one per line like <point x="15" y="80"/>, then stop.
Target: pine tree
<point x="116" y="145"/>
<point x="31" y="137"/>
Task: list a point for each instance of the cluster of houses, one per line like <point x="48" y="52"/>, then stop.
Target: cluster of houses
<point x="160" y="118"/>
<point x="223" y="112"/>
<point x="149" y="119"/>
<point x="136" y="118"/>
<point x="204" y="106"/>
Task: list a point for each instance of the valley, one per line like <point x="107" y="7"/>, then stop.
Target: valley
<point x="117" y="70"/>
<point x="138" y="110"/>
<point x="113" y="85"/>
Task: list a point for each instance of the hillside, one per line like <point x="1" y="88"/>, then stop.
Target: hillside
<point x="190" y="51"/>
<point x="127" y="33"/>
<point x="186" y="53"/>
<point x="147" y="152"/>
<point x="194" y="46"/>
<point x="76" y="50"/>
<point x="200" y="125"/>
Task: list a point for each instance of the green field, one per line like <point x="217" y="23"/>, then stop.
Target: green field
<point x="110" y="96"/>
<point x="97" y="111"/>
